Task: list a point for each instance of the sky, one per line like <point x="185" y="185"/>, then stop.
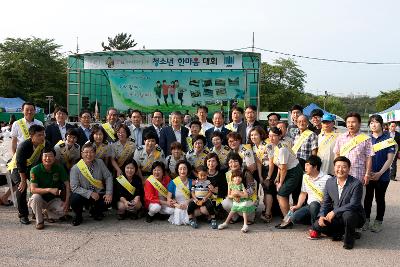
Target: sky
<point x="357" y="30"/>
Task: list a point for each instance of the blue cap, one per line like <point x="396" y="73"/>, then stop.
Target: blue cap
<point x="328" y="117"/>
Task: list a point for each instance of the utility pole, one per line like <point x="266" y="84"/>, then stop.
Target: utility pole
<point x="252" y="45"/>
<point x="325" y="97"/>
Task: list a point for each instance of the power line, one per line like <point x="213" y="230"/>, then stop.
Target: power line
<point x="323" y="59"/>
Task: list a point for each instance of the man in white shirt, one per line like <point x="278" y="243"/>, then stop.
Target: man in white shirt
<point x="19" y="129"/>
<point x="202" y="112"/>
<point x="136" y="130"/>
<point x="312" y="189"/>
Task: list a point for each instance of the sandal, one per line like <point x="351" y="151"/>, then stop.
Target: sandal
<point x="50" y="220"/>
<point x="268" y="218"/>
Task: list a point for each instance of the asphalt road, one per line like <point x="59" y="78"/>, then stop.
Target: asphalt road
<point x="137" y="243"/>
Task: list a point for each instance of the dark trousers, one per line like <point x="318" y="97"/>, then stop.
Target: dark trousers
<point x="78" y="202"/>
<point x="306" y="214"/>
<point x="297" y="191"/>
<point x="21" y="196"/>
<point x="345" y="223"/>
<point x="379" y="188"/>
<point x="208" y="204"/>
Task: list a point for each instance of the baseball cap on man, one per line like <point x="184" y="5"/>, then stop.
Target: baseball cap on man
<point x="328" y="117"/>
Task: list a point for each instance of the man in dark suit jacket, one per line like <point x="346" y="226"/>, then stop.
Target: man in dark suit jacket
<point x="84" y="130"/>
<point x="56" y="131"/>
<point x="341" y="209"/>
<point x="156" y="124"/>
<point x="396" y="136"/>
<point x="173" y="133"/>
<point x="244" y="128"/>
<point x="218" y="121"/>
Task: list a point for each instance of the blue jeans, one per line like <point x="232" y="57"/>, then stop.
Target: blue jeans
<point x="307" y="214"/>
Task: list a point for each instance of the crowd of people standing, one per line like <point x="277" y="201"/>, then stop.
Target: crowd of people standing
<point x="218" y="172"/>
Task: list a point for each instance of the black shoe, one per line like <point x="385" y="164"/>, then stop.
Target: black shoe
<point x="24" y="220"/>
<point x="65" y="218"/>
<point x="348" y="245"/>
<point x="121" y="217"/>
<point x="285" y="226"/>
<point x="98" y="217"/>
<point x="149" y="218"/>
<point x="76" y="221"/>
<point x="337" y="237"/>
<point x="134" y="216"/>
<point x="357" y="235"/>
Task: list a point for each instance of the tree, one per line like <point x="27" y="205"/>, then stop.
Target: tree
<point x="121" y="41"/>
<point x="387" y="99"/>
<point x="32" y="68"/>
<point x="281" y="85"/>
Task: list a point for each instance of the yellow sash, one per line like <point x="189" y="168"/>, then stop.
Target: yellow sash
<point x="109" y="130"/>
<point x="318" y="193"/>
<point x="301" y="140"/>
<point x="384" y="144"/>
<point x="126" y="151"/>
<point x="228" y="176"/>
<point x="158" y="186"/>
<point x="189" y="142"/>
<point x="200" y="159"/>
<point x="34" y="157"/>
<point x="126" y="184"/>
<point x="24" y="128"/>
<point x="242" y="151"/>
<point x="230" y="127"/>
<point x="150" y="160"/>
<point x="86" y="173"/>
<point x="329" y="139"/>
<point x="100" y="150"/>
<point x="179" y="184"/>
<point x="355" y="141"/>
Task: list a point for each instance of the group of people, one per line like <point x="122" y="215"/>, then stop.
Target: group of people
<point x="314" y="175"/>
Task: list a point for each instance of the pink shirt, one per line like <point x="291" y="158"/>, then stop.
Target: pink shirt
<point x="357" y="156"/>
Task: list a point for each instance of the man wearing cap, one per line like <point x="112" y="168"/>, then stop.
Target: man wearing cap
<point x="326" y="143"/>
<point x="316" y="115"/>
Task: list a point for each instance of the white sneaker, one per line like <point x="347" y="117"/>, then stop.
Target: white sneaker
<point x="222" y="226"/>
<point x="245" y="228"/>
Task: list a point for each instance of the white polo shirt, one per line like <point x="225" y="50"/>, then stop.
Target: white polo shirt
<point x="17" y="132"/>
<point x="319" y="182"/>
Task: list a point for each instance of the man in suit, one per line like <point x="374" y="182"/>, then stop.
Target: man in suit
<point x="56" y="131"/>
<point x="396" y="136"/>
<point x="136" y="129"/>
<point x="243" y="129"/>
<point x="156" y="124"/>
<point x="175" y="132"/>
<point x="218" y="121"/>
<point x="341" y="209"/>
<point x="84" y="129"/>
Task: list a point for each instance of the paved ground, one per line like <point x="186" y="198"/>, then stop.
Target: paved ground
<point x="137" y="243"/>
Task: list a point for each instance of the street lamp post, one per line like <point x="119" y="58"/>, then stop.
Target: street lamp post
<point x="49" y="98"/>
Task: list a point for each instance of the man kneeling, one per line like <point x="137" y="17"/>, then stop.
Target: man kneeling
<point x="91" y="185"/>
<point x="341" y="209"/>
<point x="47" y="180"/>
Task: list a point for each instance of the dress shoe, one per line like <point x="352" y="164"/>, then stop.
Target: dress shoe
<point x="149" y="218"/>
<point x="348" y="245"/>
<point x="287" y="225"/>
<point x="76" y="221"/>
<point x="24" y="220"/>
<point x="357" y="235"/>
<point x="337" y="237"/>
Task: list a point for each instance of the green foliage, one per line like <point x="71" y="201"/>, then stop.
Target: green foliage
<point x="121" y="41"/>
<point x="32" y="68"/>
<point x="282" y="85"/>
<point x="387" y="99"/>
